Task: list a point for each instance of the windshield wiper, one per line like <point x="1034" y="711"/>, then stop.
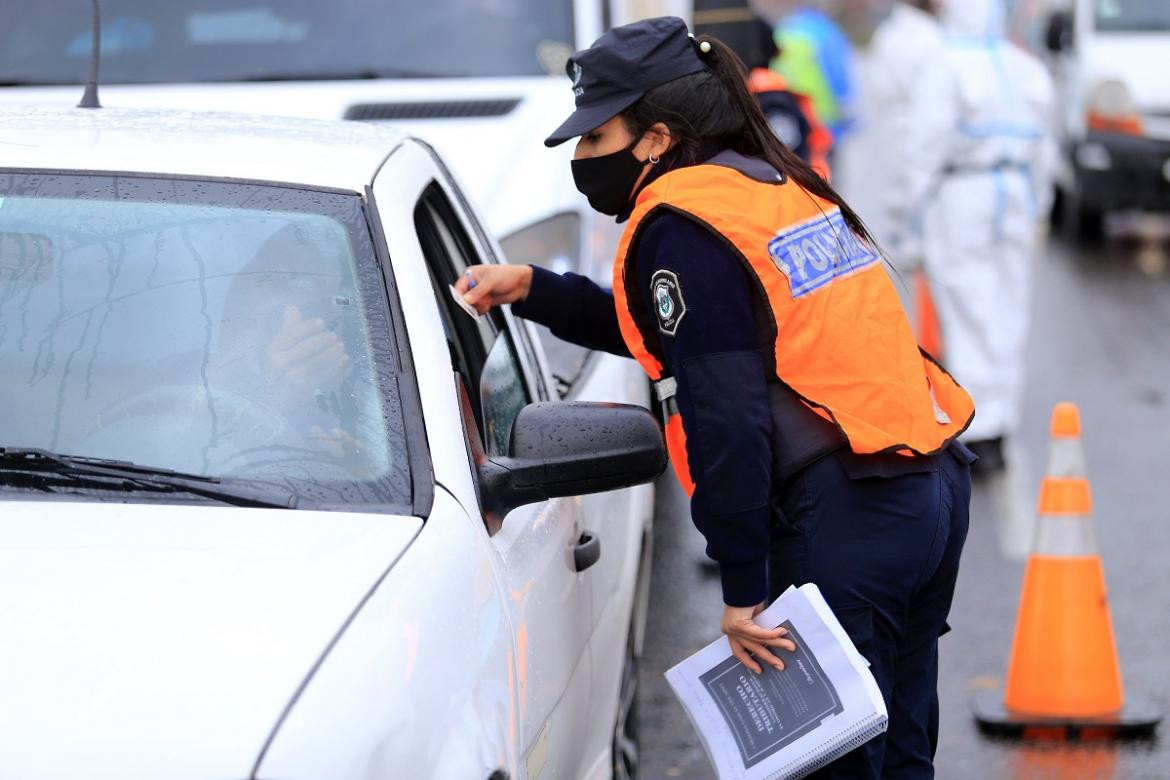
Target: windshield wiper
<point x="126" y="476"/>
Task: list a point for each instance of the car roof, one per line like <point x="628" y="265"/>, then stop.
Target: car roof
<point x="316" y="153"/>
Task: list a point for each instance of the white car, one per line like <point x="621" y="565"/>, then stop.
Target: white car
<point x="1108" y="60"/>
<point x="274" y="506"/>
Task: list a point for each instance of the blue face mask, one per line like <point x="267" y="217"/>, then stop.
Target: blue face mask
<point x="608" y="181"/>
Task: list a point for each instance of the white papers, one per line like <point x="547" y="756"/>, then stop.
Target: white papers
<point x="467" y="307"/>
<point x="782" y="724"/>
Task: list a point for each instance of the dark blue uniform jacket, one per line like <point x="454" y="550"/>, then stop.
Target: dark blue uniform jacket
<point x="746" y="432"/>
<point x="722" y="389"/>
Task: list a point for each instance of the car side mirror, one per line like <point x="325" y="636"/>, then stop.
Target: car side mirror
<point x="1058" y="34"/>
<point x="568" y="448"/>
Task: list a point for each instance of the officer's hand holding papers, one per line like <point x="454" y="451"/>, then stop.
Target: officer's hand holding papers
<point x="782" y="724"/>
<point x="749" y="641"/>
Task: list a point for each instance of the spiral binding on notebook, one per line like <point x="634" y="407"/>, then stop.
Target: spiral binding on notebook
<point x="846" y="741"/>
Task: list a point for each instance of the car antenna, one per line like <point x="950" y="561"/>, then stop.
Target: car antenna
<point x="90" y="98"/>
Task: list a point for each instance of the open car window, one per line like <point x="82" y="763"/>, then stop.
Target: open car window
<point x="482" y="349"/>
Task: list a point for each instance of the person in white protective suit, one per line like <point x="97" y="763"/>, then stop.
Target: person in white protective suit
<point x="986" y="144"/>
<point x="905" y="53"/>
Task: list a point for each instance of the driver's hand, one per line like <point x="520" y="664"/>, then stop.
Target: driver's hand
<point x="485" y="286"/>
<point x="304" y="351"/>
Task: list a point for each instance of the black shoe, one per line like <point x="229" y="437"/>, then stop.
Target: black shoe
<point x="990" y="453"/>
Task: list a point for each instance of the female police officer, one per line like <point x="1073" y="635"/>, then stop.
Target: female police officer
<point x="819" y="442"/>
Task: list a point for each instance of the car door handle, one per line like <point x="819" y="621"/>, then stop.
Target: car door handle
<point x="587" y="550"/>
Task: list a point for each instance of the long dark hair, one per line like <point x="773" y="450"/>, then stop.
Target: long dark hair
<point x="713" y="108"/>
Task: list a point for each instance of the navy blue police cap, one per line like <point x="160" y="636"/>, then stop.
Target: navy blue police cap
<point x="622" y="66"/>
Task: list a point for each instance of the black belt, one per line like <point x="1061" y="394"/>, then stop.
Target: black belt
<point x="800" y="436"/>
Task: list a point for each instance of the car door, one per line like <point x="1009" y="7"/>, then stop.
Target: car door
<point x="619" y="520"/>
<point x="549" y="601"/>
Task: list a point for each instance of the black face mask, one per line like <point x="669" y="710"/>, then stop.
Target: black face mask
<point x="608" y="180"/>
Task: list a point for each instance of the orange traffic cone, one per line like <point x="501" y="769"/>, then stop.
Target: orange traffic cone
<point x="1063" y="669"/>
<point x="929" y="332"/>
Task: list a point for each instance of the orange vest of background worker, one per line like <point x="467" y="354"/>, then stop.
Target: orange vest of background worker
<point x="842" y="342"/>
<point x="810" y="139"/>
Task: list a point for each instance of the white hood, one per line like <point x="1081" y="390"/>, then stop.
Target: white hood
<point x="502" y="160"/>
<point x="511" y="176"/>
<point x="973" y="18"/>
<point x="165" y="641"/>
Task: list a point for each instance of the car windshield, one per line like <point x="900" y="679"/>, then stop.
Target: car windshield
<point x="1132" y="15"/>
<point x="236" y="331"/>
<point x="145" y="41"/>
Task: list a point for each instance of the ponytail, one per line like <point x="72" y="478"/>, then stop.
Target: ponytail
<point x="714" y="108"/>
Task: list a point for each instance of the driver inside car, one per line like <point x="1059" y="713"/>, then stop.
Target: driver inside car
<point x="283" y="343"/>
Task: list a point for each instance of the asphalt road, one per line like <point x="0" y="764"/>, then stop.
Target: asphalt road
<point x="1101" y="338"/>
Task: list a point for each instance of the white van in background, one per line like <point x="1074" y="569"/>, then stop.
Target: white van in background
<point x="1109" y="60"/>
<point x="483" y="80"/>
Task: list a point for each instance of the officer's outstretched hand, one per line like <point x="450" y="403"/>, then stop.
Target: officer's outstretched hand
<point x="485" y="286"/>
<point x="748" y="639"/>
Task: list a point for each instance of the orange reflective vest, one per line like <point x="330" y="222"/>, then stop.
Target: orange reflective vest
<point x="820" y="140"/>
<point x="842" y="340"/>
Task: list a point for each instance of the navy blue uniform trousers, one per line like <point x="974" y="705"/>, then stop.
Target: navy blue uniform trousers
<point x="884" y="550"/>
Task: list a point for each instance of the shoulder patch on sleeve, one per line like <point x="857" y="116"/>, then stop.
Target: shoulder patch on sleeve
<point x="669" y="305"/>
